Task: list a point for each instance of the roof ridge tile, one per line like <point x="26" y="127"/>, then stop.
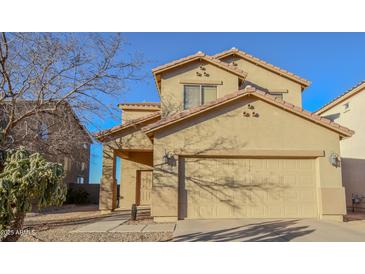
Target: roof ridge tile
<point x="260" y="61"/>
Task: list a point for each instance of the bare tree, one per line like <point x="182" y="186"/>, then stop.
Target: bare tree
<point x="53" y="71"/>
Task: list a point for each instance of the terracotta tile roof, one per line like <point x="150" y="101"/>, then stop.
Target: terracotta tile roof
<point x="344" y="96"/>
<point x="147" y="104"/>
<point x="262" y="63"/>
<point x="101" y="135"/>
<point x="203" y="56"/>
<point x="197" y="56"/>
<point x="345" y="132"/>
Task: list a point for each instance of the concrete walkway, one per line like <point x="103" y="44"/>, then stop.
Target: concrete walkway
<point x="289" y="230"/>
<point x="112" y="224"/>
<point x="307" y="230"/>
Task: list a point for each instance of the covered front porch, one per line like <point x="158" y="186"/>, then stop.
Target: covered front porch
<point x="135" y="151"/>
<point x="135" y="179"/>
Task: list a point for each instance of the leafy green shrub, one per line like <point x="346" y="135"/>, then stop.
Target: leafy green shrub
<point x="25" y="179"/>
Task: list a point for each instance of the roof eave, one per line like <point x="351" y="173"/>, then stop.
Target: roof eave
<point x="340" y="130"/>
<point x="304" y="83"/>
<point x="347" y="95"/>
<point x="242" y="75"/>
<point x="105" y="134"/>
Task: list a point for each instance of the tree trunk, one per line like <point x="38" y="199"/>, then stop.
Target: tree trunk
<point x="15" y="228"/>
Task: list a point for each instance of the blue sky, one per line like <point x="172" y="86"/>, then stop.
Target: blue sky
<point x="333" y="62"/>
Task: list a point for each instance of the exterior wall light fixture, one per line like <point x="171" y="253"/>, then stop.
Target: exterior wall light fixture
<point x="335" y="160"/>
<point x="169" y="159"/>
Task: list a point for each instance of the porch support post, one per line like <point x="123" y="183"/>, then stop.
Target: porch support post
<point x="108" y="186"/>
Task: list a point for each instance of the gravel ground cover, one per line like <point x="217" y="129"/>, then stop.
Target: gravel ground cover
<point x="64" y="234"/>
<point x="65" y="214"/>
<point x="57" y="226"/>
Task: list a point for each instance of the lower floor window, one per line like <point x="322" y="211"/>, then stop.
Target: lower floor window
<point x="80" y="180"/>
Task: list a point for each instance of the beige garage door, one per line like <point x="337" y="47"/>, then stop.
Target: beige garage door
<point x="248" y="188"/>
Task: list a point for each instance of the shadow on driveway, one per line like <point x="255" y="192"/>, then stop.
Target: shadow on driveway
<point x="267" y="231"/>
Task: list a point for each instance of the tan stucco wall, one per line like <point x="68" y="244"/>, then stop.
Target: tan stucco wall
<point x="128" y="115"/>
<point x="265" y="79"/>
<point x="122" y="145"/>
<point x="172" y="90"/>
<point x="226" y="131"/>
<point x="108" y="186"/>
<point x="133" y="138"/>
<point x="352" y="149"/>
<point x="129" y="166"/>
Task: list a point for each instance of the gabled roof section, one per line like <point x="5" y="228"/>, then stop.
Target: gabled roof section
<point x="176" y="118"/>
<point x="82" y="127"/>
<point x="52" y="104"/>
<point x="104" y="134"/>
<point x="145" y="106"/>
<point x="343" y="97"/>
<point x="234" y="51"/>
<point x="197" y="56"/>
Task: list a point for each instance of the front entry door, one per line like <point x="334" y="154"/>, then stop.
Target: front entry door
<point x="144" y="187"/>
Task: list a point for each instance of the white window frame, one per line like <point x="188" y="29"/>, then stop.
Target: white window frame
<point x="200" y="92"/>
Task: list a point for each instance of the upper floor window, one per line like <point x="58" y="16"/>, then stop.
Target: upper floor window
<point x="196" y="95"/>
<point x="43" y="130"/>
<point x="67" y="164"/>
<point x="346" y="106"/>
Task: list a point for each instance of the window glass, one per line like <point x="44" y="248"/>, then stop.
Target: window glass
<point x="346" y="106"/>
<point x="43" y="130"/>
<point x="209" y="93"/>
<point x="80" y="179"/>
<point x="67" y="164"/>
<point x="191" y="96"/>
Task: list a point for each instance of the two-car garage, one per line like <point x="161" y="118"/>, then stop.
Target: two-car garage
<point x="247" y="188"/>
<point x="276" y="164"/>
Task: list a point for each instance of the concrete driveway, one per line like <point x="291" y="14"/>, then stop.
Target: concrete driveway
<point x="267" y="230"/>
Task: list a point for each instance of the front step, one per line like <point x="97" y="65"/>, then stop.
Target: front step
<point x="141" y="212"/>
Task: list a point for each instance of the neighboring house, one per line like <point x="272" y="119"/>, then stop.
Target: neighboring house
<point x="348" y="109"/>
<point x="58" y="135"/>
<point x="228" y="140"/>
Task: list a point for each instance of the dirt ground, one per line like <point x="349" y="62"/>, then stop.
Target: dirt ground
<point x="57" y="224"/>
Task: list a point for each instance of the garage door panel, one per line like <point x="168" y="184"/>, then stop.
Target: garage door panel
<point x="308" y="211"/>
<point x="274" y="197"/>
<point x="306" y="164"/>
<point x="292" y="196"/>
<point x="292" y="209"/>
<point x="253" y="188"/>
<point x="275" y="210"/>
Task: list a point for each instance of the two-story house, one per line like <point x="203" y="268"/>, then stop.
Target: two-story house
<point x="229" y="139"/>
<point x="347" y="109"/>
<point x="58" y="135"/>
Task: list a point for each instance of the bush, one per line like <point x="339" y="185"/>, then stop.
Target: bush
<point x="25" y="179"/>
<point x="78" y="196"/>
